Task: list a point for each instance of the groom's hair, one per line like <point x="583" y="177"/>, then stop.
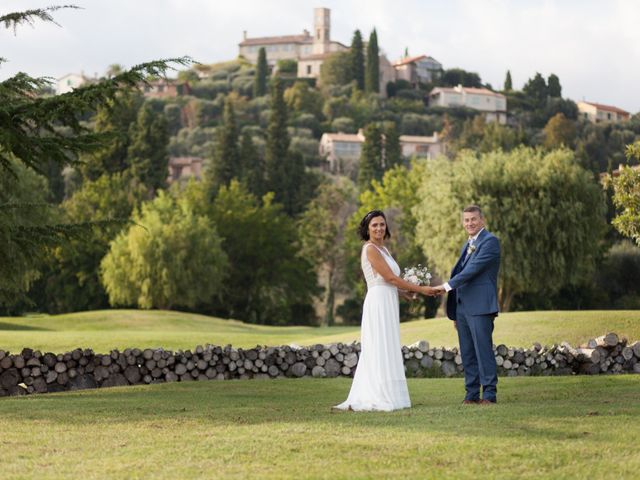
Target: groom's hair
<point x="473" y="208"/>
<point x="363" y="229"/>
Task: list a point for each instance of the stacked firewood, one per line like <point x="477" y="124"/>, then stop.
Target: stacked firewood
<point x="36" y="372"/>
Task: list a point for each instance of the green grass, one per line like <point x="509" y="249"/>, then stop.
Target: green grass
<point x="104" y="330"/>
<point x="543" y="427"/>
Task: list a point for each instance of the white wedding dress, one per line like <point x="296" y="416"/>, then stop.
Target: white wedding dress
<point x="379" y="382"/>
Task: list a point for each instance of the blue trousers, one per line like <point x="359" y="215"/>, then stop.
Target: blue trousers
<point x="476" y="348"/>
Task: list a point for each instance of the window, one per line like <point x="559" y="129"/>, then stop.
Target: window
<point x="308" y="69"/>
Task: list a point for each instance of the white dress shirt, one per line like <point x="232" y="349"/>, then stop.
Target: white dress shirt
<point x="471" y="241"/>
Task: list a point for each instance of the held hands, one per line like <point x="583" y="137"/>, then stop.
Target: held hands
<point x="432" y="291"/>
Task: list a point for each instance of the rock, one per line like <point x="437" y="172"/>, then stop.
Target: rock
<point x="298" y="369"/>
<point x="83" y="382"/>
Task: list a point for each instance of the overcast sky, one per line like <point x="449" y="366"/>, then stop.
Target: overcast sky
<point x="592" y="45"/>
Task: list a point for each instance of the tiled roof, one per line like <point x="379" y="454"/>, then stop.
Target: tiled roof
<point x="408" y="60"/>
<point x="473" y="90"/>
<point x="607" y="108"/>
<point x="344" y="137"/>
<point x="303" y="38"/>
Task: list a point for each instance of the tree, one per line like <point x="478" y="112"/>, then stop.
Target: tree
<point x="336" y="69"/>
<point x="269" y="282"/>
<point x="262" y="70"/>
<point x="226" y="161"/>
<point x="456" y="76"/>
<point x="324" y="247"/>
<point x="34" y="131"/>
<point x="71" y="280"/>
<point x="553" y="86"/>
<point x="547" y="212"/>
<point x="147" y="153"/>
<point x="508" y="85"/>
<point x="277" y="147"/>
<point x="370" y="167"/>
<point x="114" y="122"/>
<point x="357" y="59"/>
<point x="626" y="197"/>
<point x="392" y="147"/>
<point x="300" y="98"/>
<point x="559" y="132"/>
<point x="537" y="91"/>
<point x="252" y="173"/>
<point x="171" y="258"/>
<point x="372" y="71"/>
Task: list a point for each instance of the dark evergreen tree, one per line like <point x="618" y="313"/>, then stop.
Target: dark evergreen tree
<point x="262" y="70"/>
<point x="226" y="158"/>
<point x="252" y="166"/>
<point x="277" y="147"/>
<point x="392" y="147"/>
<point x="372" y="72"/>
<point x="537" y="91"/>
<point x="148" y="156"/>
<point x="357" y="59"/>
<point x="371" y="167"/>
<point x="508" y="84"/>
<point x="37" y="129"/>
<point x="553" y="86"/>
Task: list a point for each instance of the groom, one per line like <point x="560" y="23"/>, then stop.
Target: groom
<point x="472" y="304"/>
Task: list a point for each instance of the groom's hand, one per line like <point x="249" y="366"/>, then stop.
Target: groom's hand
<point x="439" y="290"/>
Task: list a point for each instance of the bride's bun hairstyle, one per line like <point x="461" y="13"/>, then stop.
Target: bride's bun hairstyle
<point x="363" y="229"/>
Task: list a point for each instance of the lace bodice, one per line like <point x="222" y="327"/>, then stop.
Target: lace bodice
<point x="371" y="276"/>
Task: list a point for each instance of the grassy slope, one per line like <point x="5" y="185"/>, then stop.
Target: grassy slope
<point x="544" y="427"/>
<point x="104" y="330"/>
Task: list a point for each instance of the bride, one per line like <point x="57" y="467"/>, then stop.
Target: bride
<point x="379" y="382"/>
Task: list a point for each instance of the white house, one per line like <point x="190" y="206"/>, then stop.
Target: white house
<point x="422" y="146"/>
<point x="493" y="105"/>
<point x="70" y="81"/>
<point x="597" y="112"/>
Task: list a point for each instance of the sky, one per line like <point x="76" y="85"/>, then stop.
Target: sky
<point x="592" y="45"/>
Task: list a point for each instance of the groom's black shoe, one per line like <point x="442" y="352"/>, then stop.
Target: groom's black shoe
<point x="470" y="402"/>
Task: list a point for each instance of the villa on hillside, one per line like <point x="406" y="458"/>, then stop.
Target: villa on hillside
<point x="415" y="70"/>
<point x="165" y="88"/>
<point x="71" y="81"/>
<point x="184" y="167"/>
<point x="493" y="105"/>
<point x="596" y="112"/>
<point x="342" y="150"/>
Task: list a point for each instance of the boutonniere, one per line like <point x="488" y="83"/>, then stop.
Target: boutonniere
<point x="471" y="249"/>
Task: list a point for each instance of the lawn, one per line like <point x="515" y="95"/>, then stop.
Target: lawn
<point x="104" y="330"/>
<point x="543" y="427"/>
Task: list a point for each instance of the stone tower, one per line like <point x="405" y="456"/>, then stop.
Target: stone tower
<point x="321" y="30"/>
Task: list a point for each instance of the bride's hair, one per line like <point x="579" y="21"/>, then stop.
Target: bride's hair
<point x="363" y="229"/>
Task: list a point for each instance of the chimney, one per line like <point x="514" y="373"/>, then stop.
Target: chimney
<point x="244" y="34"/>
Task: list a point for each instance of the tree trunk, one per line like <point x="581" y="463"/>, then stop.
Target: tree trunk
<point x="329" y="301"/>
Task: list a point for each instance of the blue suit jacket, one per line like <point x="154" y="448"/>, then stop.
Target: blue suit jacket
<point x="474" y="281"/>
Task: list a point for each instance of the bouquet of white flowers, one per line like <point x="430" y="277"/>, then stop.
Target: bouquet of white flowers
<point x="417" y="275"/>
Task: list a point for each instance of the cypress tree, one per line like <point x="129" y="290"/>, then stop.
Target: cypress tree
<point x="357" y="59"/>
<point x="277" y="145"/>
<point x="508" y="85"/>
<point x="392" y="147"/>
<point x="225" y="164"/>
<point x="148" y="156"/>
<point x="260" y="82"/>
<point x="252" y="167"/>
<point x="372" y="72"/>
<point x="553" y="85"/>
<point x="371" y="157"/>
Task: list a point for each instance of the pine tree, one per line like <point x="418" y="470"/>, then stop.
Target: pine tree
<point x="33" y="131"/>
<point x="148" y="156"/>
<point x="392" y="147"/>
<point x="370" y="157"/>
<point x="508" y="85"/>
<point x="260" y="83"/>
<point x="226" y="159"/>
<point x="357" y="59"/>
<point x="372" y="72"/>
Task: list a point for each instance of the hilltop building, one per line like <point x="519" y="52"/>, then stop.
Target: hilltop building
<point x="492" y="105"/>
<point x="597" y="112"/>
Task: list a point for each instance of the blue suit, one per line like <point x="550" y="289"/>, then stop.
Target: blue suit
<point x="473" y="304"/>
